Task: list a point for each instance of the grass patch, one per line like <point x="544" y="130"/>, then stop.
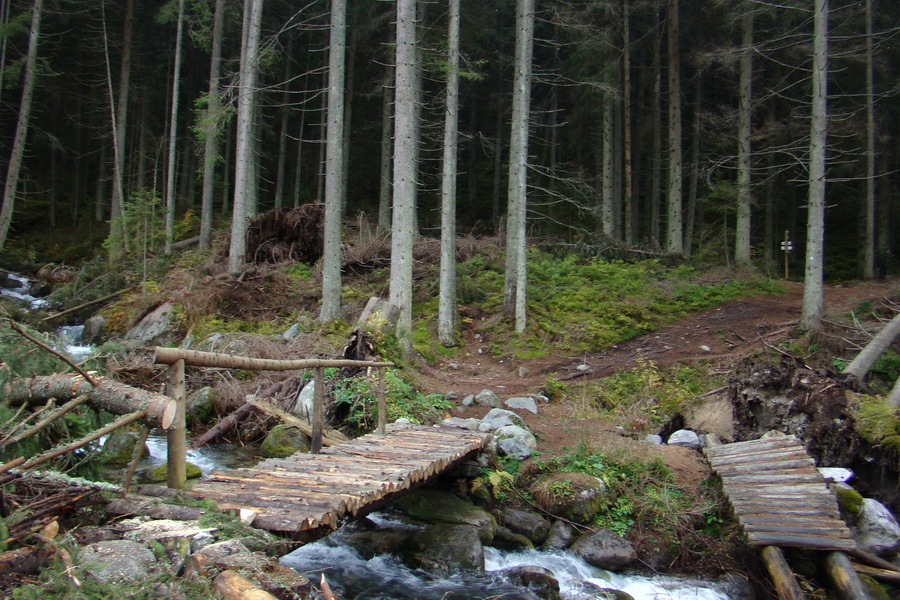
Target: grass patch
<point x="645" y="396"/>
<point x="357" y="398"/>
<point x="586" y="305"/>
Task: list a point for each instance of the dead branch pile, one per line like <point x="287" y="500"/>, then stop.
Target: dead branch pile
<point x="36" y="501"/>
<point x="281" y="235"/>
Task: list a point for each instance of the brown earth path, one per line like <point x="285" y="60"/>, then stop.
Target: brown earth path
<point x="730" y="331"/>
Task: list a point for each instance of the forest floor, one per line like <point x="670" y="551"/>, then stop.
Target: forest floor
<point x="721" y="335"/>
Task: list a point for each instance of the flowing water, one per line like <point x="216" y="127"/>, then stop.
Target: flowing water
<point x="384" y="577"/>
<point x="215" y="456"/>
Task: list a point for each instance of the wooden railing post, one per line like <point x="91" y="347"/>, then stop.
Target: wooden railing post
<point x="382" y="404"/>
<point x="176" y="436"/>
<point x="318" y="411"/>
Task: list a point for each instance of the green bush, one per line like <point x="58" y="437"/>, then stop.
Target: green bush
<point x="358" y="396"/>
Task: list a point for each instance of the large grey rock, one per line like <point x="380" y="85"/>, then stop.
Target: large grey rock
<point x="303" y="405"/>
<point x="468" y="400"/>
<point x="121" y="561"/>
<point x="94" y="329"/>
<point x="685" y="438"/>
<point x="560" y="536"/>
<point x="156" y="328"/>
<point x="379" y="315"/>
<point x="537" y="579"/>
<point x="507" y="539"/>
<point x="471" y="424"/>
<point x="487" y="398"/>
<point x="876" y="529"/>
<point x="201" y="405"/>
<point x="444" y="548"/>
<point x="652" y="438"/>
<point x="574" y="496"/>
<point x="513" y="448"/>
<point x="526" y="522"/>
<point x="604" y="549"/>
<point x="497" y="418"/>
<point x="519" y="434"/>
<point x="433" y="506"/>
<point x="283" y="441"/>
<point x="522" y="403"/>
<point x="118" y="449"/>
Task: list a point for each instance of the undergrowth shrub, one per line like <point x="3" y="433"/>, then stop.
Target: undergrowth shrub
<point x="645" y="396"/>
<point x="359" y="398"/>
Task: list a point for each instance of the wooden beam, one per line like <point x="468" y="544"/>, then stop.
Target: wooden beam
<point x="194" y="358"/>
<point x="782" y="576"/>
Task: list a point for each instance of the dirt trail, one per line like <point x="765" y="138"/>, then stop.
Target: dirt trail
<point x="730" y="330"/>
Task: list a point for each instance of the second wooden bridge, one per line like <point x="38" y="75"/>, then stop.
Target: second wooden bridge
<point x="307" y="495"/>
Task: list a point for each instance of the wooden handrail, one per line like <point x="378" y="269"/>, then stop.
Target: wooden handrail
<point x="195" y="358"/>
<point x="178" y="359"/>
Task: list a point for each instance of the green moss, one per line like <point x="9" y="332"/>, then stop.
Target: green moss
<point x="161" y="473"/>
<point x="849" y="500"/>
<point x="283" y="441"/>
<point x="873" y="588"/>
<point x="874" y="420"/>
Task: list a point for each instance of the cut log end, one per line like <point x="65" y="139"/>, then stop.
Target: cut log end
<point x="168" y="414"/>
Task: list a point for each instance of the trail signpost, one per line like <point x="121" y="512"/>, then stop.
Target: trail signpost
<point x="786" y="246"/>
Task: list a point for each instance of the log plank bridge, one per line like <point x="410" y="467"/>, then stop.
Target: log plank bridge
<point x="780" y="499"/>
<point x="306" y="495"/>
<point x="778" y="495"/>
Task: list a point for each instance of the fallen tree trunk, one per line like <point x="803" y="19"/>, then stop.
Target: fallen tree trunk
<point x="111" y="396"/>
<point x="868" y="355"/>
<point x="194" y="358"/>
<point x="329" y="438"/>
<point x="842" y="575"/>
<point x="234" y="587"/>
<point x="223" y="426"/>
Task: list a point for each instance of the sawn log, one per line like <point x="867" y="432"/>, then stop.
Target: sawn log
<point x="114" y="397"/>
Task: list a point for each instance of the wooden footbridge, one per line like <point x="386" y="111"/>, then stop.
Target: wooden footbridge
<point x="780" y="499"/>
<point x="306" y="495"/>
<point x="778" y="495"/>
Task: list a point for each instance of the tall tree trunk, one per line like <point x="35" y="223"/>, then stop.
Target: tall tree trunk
<point x="120" y="129"/>
<point x="350" y="71"/>
<point x="626" y="128"/>
<point x="298" y="162"/>
<point x="213" y="122"/>
<point x="387" y="128"/>
<point x="869" y="237"/>
<point x="744" y="198"/>
<point x="675" y="232"/>
<point x="607" y="213"/>
<point x="173" y="134"/>
<point x="515" y="293"/>
<point x="815" y="228"/>
<point x="690" y="218"/>
<point x="280" y="169"/>
<point x="334" y="165"/>
<point x="655" y="161"/>
<point x="498" y="169"/>
<point x="244" y="144"/>
<point x="405" y="176"/>
<point x="447" y="295"/>
<point x="18" y="149"/>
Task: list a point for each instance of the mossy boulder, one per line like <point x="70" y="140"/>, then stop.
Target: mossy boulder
<point x="849" y="501"/>
<point x="283" y="441"/>
<point x="201" y="405"/>
<point x="444" y="548"/>
<point x="574" y="496"/>
<point x="161" y="473"/>
<point x="433" y="506"/>
<point x="118" y="449"/>
<point x="506" y="539"/>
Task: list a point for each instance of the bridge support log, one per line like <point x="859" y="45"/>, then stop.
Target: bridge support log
<point x="112" y="396"/>
<point x="234" y="587"/>
<point x="843" y="576"/>
<point x="782" y="576"/>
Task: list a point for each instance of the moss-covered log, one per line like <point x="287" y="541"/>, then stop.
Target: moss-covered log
<point x="111" y="396"/>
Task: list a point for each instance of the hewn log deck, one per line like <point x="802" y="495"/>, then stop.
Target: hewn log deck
<point x="306" y="495"/>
